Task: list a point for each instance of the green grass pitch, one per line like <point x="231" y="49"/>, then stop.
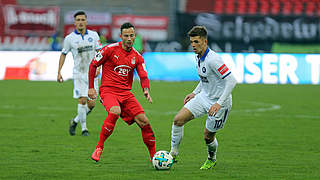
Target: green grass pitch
<point x="272" y="133"/>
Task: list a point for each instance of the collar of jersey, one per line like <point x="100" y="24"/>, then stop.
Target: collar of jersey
<point x="120" y="45"/>
<point x="205" y="54"/>
<point x="75" y="31"/>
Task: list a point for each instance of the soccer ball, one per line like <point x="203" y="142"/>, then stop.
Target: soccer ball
<point x="162" y="160"/>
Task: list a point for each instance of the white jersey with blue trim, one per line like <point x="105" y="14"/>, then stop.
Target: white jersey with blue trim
<point x="216" y="79"/>
<point x="83" y="49"/>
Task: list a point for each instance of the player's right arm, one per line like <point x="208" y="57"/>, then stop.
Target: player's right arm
<point x="99" y="59"/>
<point x="61" y="62"/>
<point x="193" y="94"/>
<point x="65" y="50"/>
<point x="189" y="97"/>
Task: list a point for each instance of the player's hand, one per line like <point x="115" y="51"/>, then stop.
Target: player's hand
<point x="59" y="78"/>
<point x="92" y="93"/>
<point x="147" y="94"/>
<point x="214" y="109"/>
<point x="188" y="97"/>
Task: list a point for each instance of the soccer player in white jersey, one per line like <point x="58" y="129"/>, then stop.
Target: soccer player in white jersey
<point x="83" y="44"/>
<point x="212" y="96"/>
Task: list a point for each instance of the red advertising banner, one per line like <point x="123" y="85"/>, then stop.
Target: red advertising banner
<point x="21" y="20"/>
<point x="154" y="28"/>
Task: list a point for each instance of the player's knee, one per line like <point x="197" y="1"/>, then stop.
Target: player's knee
<point x="115" y="110"/>
<point x="209" y="137"/>
<point x="82" y="100"/>
<point x="208" y="140"/>
<point x="143" y="123"/>
<point x="178" y="121"/>
<point x="91" y="105"/>
<point x="142" y="120"/>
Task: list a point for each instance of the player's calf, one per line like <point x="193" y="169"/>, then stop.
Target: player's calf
<point x="149" y="139"/>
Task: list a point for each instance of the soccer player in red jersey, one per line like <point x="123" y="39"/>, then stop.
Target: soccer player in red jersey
<point x="118" y="62"/>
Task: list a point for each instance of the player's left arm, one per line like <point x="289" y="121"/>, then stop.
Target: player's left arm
<point x="225" y="74"/>
<point x="144" y="80"/>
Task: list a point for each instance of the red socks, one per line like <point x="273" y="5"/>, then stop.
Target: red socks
<point x="108" y="126"/>
<point x="107" y="129"/>
<point x="149" y="139"/>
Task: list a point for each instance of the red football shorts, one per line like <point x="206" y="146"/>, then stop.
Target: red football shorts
<point x="129" y="105"/>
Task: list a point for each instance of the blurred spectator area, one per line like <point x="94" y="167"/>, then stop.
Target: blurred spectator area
<point x="2" y="3"/>
<point x="254" y="7"/>
<point x="116" y="7"/>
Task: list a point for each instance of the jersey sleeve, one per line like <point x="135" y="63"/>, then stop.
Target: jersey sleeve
<point x="220" y="67"/>
<point x="98" y="45"/>
<point x="101" y="56"/>
<point x="142" y="73"/>
<point x="66" y="46"/>
<point x="224" y="73"/>
<point x="99" y="59"/>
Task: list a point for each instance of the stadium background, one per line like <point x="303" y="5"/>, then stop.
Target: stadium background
<point x="271" y="45"/>
<point x="235" y="26"/>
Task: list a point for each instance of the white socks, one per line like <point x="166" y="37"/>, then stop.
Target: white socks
<point x="212" y="149"/>
<point x="176" y="137"/>
<point x="88" y="110"/>
<point x="82" y="116"/>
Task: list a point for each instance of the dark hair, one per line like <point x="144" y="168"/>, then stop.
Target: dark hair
<point x="126" y="25"/>
<point x="79" y="13"/>
<point x="198" y="31"/>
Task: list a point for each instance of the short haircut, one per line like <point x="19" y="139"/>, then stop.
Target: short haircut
<point x="198" y="31"/>
<point x="79" y="13"/>
<point x="126" y="25"/>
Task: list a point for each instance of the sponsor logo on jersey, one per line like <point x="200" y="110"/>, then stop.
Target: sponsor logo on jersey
<point x="204" y="69"/>
<point x="223" y="69"/>
<point x="122" y="70"/>
<point x="90" y="39"/>
<point x="98" y="56"/>
<point x="116" y="57"/>
<point x="85" y="49"/>
<point x="203" y="79"/>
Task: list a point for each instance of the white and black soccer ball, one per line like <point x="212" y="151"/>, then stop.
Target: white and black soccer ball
<point x="162" y="160"/>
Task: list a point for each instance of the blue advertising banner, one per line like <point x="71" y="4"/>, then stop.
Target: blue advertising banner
<point x="249" y="68"/>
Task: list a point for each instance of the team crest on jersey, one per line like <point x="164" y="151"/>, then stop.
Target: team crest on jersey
<point x="133" y="60"/>
<point x="90" y="39"/>
<point x="204" y="69"/>
<point x="98" y="56"/>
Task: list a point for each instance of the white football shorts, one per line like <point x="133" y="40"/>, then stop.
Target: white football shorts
<point x="81" y="86"/>
<point x="200" y="105"/>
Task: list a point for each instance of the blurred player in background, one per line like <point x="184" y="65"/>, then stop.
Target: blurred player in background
<point x="212" y="96"/>
<point x="119" y="60"/>
<point x="83" y="44"/>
